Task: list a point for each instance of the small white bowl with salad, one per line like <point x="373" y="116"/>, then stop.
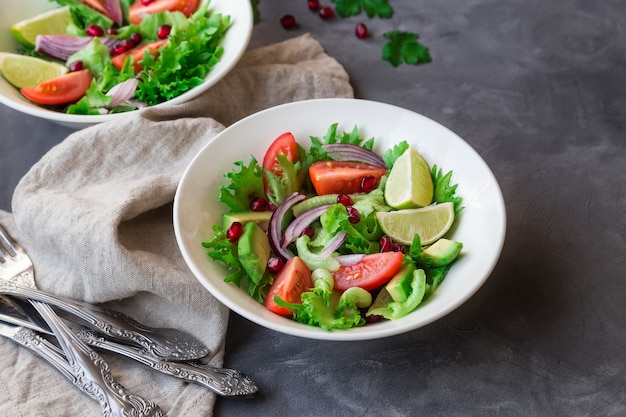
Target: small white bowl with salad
<point x="83" y="62"/>
<point x="340" y="219"/>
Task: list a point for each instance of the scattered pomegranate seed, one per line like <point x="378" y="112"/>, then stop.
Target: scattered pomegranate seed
<point x="76" y="66"/>
<point x="368" y="183"/>
<point x="309" y="231"/>
<point x="345" y="200"/>
<point x="118" y="49"/>
<point x="314" y="5"/>
<point x="112" y="31"/>
<point x="135" y="38"/>
<point x="164" y="31"/>
<point x="94" y="30"/>
<point x="127" y="44"/>
<point x="386" y="244"/>
<point x="234" y="232"/>
<point x="288" y="21"/>
<point x="353" y="215"/>
<point x="374" y="318"/>
<point x="258" y="204"/>
<point x="398" y="248"/>
<point x="146" y="2"/>
<point x="274" y="265"/>
<point x="327" y="12"/>
<point x="361" y="31"/>
<point x="271" y="206"/>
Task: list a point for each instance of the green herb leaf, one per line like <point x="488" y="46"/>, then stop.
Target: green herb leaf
<point x="372" y="8"/>
<point x="404" y="47"/>
<point x="444" y="192"/>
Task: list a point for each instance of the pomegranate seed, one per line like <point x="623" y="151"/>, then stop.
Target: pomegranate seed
<point x="288" y="21"/>
<point x="327" y="12"/>
<point x="314" y="5"/>
<point x="127" y="44"/>
<point x="374" y="318"/>
<point x="345" y="200"/>
<point x="112" y="31"/>
<point x="258" y="204"/>
<point x="76" y="66"/>
<point x="234" y="232"/>
<point x="353" y="215"/>
<point x="164" y="31"/>
<point x="146" y="2"/>
<point x="135" y="38"/>
<point x="271" y="206"/>
<point x="309" y="231"/>
<point x="94" y="30"/>
<point x="398" y="248"/>
<point x="368" y="183"/>
<point x="386" y="244"/>
<point x="274" y="265"/>
<point x="118" y="49"/>
<point x="361" y="31"/>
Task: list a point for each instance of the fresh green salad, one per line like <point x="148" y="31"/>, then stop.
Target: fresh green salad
<point x="109" y="56"/>
<point x="336" y="235"/>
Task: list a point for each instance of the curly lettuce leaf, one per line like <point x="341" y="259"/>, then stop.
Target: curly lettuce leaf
<point x="443" y="191"/>
<point x="246" y="183"/>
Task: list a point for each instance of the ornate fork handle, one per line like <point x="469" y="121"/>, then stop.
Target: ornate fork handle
<point x="166" y="343"/>
<point x="94" y="373"/>
<point x="225" y="382"/>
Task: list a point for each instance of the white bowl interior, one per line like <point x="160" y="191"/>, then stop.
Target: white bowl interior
<point x="481" y="226"/>
<point x="235" y="44"/>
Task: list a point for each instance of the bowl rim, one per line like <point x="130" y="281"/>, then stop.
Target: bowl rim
<point x="293" y="328"/>
<point x="244" y="23"/>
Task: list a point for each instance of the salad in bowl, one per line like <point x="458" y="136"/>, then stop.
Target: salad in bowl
<point x="344" y="220"/>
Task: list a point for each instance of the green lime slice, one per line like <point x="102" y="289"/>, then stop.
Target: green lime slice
<point x="53" y="22"/>
<point x="409" y="184"/>
<point x="26" y="71"/>
<point x="430" y="223"/>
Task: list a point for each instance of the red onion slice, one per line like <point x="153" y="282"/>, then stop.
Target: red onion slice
<point x="61" y="47"/>
<point x="114" y="10"/>
<point x="275" y="232"/>
<point x="333" y="244"/>
<point x="296" y="227"/>
<point x="347" y="260"/>
<point x="355" y="153"/>
<point x="122" y="92"/>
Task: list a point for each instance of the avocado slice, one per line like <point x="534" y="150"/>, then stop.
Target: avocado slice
<point x="440" y="253"/>
<point x="262" y="218"/>
<point x="254" y="250"/>
<point x="399" y="287"/>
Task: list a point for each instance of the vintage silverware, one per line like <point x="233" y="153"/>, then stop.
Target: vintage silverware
<point x="85" y="364"/>
<point x="163" y="343"/>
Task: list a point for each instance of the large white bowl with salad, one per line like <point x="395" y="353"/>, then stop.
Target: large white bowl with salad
<point x="68" y="61"/>
<point x="340" y="219"/>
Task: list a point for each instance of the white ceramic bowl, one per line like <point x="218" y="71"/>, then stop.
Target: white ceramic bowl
<point x="481" y="225"/>
<point x="235" y="43"/>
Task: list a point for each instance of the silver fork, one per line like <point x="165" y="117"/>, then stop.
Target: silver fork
<point x="163" y="343"/>
<point x="91" y="373"/>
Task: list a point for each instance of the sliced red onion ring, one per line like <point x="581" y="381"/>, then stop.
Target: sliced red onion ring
<point x="347" y="260"/>
<point x="122" y="92"/>
<point x="61" y="47"/>
<point x="296" y="227"/>
<point x="114" y="10"/>
<point x="275" y="232"/>
<point x="333" y="244"/>
<point x="349" y="152"/>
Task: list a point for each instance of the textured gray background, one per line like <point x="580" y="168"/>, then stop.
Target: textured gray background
<point x="538" y="88"/>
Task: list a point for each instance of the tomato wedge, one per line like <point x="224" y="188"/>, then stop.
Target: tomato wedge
<point x="137" y="54"/>
<point x="137" y="11"/>
<point x="336" y="177"/>
<point x="371" y="272"/>
<point x="65" y="89"/>
<point x="285" y="144"/>
<point x="97" y="6"/>
<point x="289" y="283"/>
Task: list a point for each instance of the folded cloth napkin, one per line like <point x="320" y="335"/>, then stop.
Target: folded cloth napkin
<point x="95" y="214"/>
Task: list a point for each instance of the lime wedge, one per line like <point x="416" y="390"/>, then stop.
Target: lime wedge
<point x="409" y="184"/>
<point x="26" y="71"/>
<point x="430" y="223"/>
<point x="53" y="22"/>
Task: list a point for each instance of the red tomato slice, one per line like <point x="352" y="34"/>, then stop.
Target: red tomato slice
<point x="138" y="10"/>
<point x="370" y="273"/>
<point x="285" y="144"/>
<point x="291" y="281"/>
<point x="137" y="54"/>
<point x="336" y="177"/>
<point x="65" y="89"/>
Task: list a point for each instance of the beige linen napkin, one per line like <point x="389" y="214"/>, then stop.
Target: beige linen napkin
<point x="95" y="215"/>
